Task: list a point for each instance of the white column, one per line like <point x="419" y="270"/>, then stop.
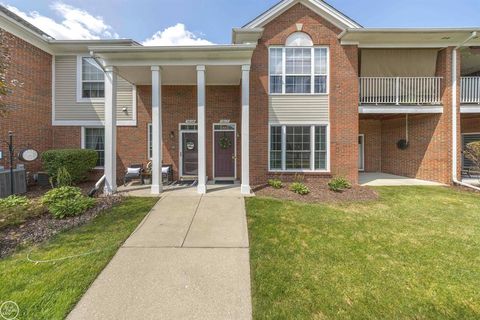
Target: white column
<point x="157" y="142"/>
<point x="110" y="165"/>
<point x="202" y="166"/>
<point x="245" y="188"/>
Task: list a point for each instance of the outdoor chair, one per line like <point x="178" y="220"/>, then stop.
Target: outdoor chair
<point x="167" y="174"/>
<point x="134" y="172"/>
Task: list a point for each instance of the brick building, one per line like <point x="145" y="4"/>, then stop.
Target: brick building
<point x="302" y="90"/>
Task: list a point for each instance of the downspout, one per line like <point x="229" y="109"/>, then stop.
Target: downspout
<point x="454" y="115"/>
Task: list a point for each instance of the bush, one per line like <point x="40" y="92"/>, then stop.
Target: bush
<point x="339" y="184"/>
<point x="299" y="188"/>
<point x="472" y="153"/>
<point x="14" y="201"/>
<point x="63" y="178"/>
<point x="66" y="201"/>
<point x="275" y="183"/>
<point x="77" y="162"/>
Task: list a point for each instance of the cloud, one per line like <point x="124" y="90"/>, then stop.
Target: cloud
<point x="77" y="24"/>
<point x="176" y="35"/>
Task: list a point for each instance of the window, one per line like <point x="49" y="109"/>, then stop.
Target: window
<point x="92" y="79"/>
<point x="298" y="70"/>
<point x="94" y="139"/>
<point x="149" y="139"/>
<point x="298" y="148"/>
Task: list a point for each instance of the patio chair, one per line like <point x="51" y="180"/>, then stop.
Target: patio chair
<point x="167" y="173"/>
<point x="134" y="172"/>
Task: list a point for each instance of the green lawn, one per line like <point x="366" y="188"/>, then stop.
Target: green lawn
<point x="413" y="254"/>
<point x="50" y="290"/>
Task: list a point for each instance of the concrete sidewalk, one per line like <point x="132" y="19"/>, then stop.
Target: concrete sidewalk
<point x="188" y="259"/>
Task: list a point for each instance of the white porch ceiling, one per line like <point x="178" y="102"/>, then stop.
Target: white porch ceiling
<point x="182" y="75"/>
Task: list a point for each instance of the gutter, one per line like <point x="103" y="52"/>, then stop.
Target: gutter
<point x="454" y="114"/>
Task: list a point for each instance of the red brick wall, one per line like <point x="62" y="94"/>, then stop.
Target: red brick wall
<point x="470" y="123"/>
<point x="179" y="103"/>
<point x="30" y="115"/>
<point x="343" y="93"/>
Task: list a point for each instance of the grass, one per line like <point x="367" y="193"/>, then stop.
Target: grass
<point x="51" y="290"/>
<point x="413" y="254"/>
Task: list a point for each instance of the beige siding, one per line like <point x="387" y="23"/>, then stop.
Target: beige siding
<point x="66" y="106"/>
<point x="298" y="109"/>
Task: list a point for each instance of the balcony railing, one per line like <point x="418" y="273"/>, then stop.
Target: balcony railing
<point x="400" y="90"/>
<point x="470" y="90"/>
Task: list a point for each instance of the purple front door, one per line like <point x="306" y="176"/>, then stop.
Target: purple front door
<point x="224" y="154"/>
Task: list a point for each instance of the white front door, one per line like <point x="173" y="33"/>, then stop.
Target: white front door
<point x="361" y="152"/>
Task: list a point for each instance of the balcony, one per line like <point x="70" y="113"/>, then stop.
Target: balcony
<point x="470" y="94"/>
<point x="401" y="95"/>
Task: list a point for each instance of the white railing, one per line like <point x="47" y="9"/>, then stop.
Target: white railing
<point x="401" y="90"/>
<point x="470" y="90"/>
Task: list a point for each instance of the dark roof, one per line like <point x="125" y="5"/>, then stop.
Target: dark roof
<point x="24" y="22"/>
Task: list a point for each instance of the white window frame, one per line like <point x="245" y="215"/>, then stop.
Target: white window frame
<point x="83" y="141"/>
<point x="80" y="98"/>
<point x="312" y="147"/>
<point x="312" y="73"/>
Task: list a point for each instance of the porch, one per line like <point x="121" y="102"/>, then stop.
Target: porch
<point x="197" y="99"/>
<point x="384" y="179"/>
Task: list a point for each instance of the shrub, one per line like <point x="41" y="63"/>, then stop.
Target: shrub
<point x="299" y="188"/>
<point x="14" y="201"/>
<point x="472" y="152"/>
<point x="66" y="201"/>
<point x="63" y="178"/>
<point x="77" y="162"/>
<point x="339" y="184"/>
<point x="275" y="183"/>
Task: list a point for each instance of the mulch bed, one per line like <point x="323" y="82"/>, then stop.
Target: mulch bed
<point x="36" y="191"/>
<point x="41" y="228"/>
<point x="319" y="193"/>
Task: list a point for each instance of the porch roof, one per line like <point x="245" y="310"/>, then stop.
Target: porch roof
<point x="408" y="37"/>
<point x="223" y="62"/>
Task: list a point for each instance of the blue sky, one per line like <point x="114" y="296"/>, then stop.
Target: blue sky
<point x="212" y="20"/>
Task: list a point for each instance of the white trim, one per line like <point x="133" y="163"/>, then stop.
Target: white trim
<point x="81" y="99"/>
<point x="82" y="140"/>
<point x="312" y="138"/>
<point x="469" y="108"/>
<point x="392" y="109"/>
<point x="180" y="148"/>
<point x="319" y="7"/>
<point x="234" y="149"/>
<point x="312" y="72"/>
<point x="53" y="89"/>
<point x="362" y="135"/>
<point x="90" y="123"/>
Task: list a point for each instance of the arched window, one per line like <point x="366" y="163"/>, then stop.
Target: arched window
<point x="298" y="67"/>
<point x="299" y="39"/>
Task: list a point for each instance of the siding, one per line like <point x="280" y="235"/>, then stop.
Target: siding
<point x="66" y="106"/>
<point x="298" y="109"/>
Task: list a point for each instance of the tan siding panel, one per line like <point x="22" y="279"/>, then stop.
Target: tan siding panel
<point x="298" y="109"/>
<point x="66" y="105"/>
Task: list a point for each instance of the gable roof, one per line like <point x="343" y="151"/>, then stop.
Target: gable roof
<point x="318" y="6"/>
<point x="24" y="23"/>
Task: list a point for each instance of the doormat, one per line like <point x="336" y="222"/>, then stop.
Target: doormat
<point x="225" y="182"/>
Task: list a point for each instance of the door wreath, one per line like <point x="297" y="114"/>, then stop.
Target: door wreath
<point x="225" y="142"/>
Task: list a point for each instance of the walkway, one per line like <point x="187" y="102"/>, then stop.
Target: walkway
<point x="188" y="259"/>
<point x="385" y="179"/>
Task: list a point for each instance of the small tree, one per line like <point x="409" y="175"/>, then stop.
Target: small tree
<point x="6" y="85"/>
<point x="472" y="153"/>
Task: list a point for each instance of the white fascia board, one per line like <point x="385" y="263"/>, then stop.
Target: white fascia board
<point x="17" y="29"/>
<point x="389" y="109"/>
<point x="319" y="7"/>
<point x="466" y="108"/>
